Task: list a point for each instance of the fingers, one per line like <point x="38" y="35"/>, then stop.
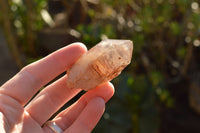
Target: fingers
<point x="49" y="100"/>
<point x="31" y="78"/>
<point x="65" y="119"/>
<point x="88" y="117"/>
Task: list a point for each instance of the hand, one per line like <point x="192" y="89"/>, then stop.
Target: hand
<point x="81" y="117"/>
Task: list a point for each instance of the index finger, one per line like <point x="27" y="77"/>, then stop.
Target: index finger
<point x="34" y="76"/>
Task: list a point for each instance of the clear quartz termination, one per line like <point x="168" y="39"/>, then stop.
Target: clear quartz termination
<point x="100" y="64"/>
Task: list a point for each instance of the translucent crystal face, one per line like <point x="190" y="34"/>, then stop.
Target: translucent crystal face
<point x="100" y="64"/>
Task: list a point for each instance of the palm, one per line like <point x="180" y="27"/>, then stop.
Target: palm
<point x="16" y="119"/>
<point x="82" y="116"/>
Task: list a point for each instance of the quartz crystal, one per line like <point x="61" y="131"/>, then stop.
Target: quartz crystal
<point x="100" y="64"/>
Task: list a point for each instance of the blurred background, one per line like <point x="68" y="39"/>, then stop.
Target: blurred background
<point x="159" y="92"/>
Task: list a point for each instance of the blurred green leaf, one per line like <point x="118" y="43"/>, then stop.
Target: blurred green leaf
<point x="181" y="52"/>
<point x="175" y="28"/>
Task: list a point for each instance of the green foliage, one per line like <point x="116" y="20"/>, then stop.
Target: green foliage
<point x="181" y="52"/>
<point x="20" y="15"/>
<point x="40" y="5"/>
<point x="175" y="28"/>
<point x="160" y="30"/>
<point x="92" y="33"/>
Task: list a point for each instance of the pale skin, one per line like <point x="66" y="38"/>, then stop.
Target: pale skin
<point x="81" y="117"/>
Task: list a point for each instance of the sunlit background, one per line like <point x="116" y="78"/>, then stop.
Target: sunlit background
<point x="159" y="92"/>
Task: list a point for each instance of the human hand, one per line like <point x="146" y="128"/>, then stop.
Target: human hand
<point x="81" y="117"/>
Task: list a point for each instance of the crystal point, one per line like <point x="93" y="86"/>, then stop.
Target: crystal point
<point x="100" y="64"/>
